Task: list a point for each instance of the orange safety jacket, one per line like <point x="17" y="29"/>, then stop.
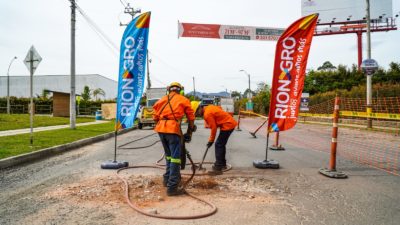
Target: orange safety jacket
<point x="215" y="118"/>
<point x="167" y="120"/>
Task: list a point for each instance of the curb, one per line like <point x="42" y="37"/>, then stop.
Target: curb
<point x="47" y="152"/>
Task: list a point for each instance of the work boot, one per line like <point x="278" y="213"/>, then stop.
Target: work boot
<point x="216" y="170"/>
<point x="165" y="182"/>
<point x="175" y="191"/>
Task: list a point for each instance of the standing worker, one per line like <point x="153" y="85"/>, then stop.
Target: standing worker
<point x="215" y="118"/>
<point x="168" y="113"/>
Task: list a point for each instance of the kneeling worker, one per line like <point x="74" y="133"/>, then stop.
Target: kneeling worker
<point x="168" y="113"/>
<point x="215" y="118"/>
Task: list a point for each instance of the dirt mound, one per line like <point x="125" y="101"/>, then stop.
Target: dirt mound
<point x="97" y="189"/>
<point x="148" y="190"/>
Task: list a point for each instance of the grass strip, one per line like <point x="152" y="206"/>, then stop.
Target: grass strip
<point x="21" y="121"/>
<point x="19" y="144"/>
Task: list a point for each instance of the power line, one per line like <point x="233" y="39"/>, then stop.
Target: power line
<point x="123" y="2"/>
<point x="111" y="45"/>
<point x="167" y="64"/>
<point x="97" y="29"/>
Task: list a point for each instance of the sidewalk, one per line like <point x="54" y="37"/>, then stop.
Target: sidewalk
<point x="37" y="129"/>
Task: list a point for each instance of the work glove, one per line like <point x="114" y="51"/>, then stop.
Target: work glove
<point x="192" y="127"/>
<point x="209" y="144"/>
<point x="187" y="137"/>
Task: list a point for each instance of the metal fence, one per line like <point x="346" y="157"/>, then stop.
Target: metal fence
<point x="15" y="109"/>
<point x="47" y="109"/>
<point x="378" y="148"/>
<point x="87" y="111"/>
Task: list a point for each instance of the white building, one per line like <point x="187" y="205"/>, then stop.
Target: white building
<point x="20" y="85"/>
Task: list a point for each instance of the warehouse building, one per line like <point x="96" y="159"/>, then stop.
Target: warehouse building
<point x="20" y="85"/>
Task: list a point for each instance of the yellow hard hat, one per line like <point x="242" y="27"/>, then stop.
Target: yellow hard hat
<point x="195" y="105"/>
<point x="175" y="84"/>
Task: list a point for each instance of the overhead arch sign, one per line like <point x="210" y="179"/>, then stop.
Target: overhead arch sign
<point x="218" y="31"/>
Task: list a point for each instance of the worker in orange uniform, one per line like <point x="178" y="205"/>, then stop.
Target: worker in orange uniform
<point x="168" y="113"/>
<point x="215" y="118"/>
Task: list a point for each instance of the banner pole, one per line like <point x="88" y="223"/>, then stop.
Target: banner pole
<point x="266" y="149"/>
<point x="266" y="164"/>
<point x="115" y="145"/>
<point x="114" y="164"/>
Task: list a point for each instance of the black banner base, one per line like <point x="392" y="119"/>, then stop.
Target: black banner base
<point x="332" y="173"/>
<point x="266" y="164"/>
<point x="277" y="148"/>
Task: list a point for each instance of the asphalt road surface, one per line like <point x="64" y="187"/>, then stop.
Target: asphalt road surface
<point x="72" y="189"/>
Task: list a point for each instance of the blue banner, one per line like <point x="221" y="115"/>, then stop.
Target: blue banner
<point x="132" y="68"/>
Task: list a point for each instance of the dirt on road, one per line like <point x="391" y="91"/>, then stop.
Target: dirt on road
<point x="100" y="199"/>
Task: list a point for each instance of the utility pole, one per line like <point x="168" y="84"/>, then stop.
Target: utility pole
<point x="72" y="110"/>
<point x="8" y="85"/>
<point x="249" y="88"/>
<point x="369" y="77"/>
<point x="148" y="71"/>
<point x="226" y="90"/>
<point x="194" y="88"/>
<point x="131" y="11"/>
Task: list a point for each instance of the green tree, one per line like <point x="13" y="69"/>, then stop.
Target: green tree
<point x="236" y="94"/>
<point x="86" y="94"/>
<point x="327" y="66"/>
<point x="262" y="98"/>
<point x="44" y="96"/>
<point x="98" y="91"/>
<point x="392" y="75"/>
<point x="245" y="94"/>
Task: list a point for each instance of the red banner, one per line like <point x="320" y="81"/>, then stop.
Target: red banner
<point x="289" y="73"/>
<point x="199" y="30"/>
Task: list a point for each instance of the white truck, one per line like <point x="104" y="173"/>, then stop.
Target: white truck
<point x="228" y="105"/>
<point x="146" y="113"/>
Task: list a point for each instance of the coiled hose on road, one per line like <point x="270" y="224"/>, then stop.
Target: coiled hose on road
<point x="159" y="166"/>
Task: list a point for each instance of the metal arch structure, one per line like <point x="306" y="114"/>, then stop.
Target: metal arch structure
<point x="356" y="27"/>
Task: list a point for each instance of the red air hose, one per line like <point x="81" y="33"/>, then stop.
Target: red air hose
<point x="138" y="209"/>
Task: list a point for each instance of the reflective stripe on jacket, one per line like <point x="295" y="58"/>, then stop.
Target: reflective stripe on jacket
<point x="167" y="120"/>
<point x="215" y="118"/>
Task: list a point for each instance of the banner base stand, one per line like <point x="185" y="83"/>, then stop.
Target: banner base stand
<point x="114" y="165"/>
<point x="277" y="148"/>
<point x="266" y="164"/>
<point x="332" y="173"/>
<point x="253" y="134"/>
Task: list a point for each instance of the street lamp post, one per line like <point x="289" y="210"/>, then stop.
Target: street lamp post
<point x="248" y="75"/>
<point x="194" y="88"/>
<point x="8" y="84"/>
<point x="249" y="92"/>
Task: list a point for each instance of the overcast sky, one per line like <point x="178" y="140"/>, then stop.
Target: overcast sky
<point x="214" y="63"/>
